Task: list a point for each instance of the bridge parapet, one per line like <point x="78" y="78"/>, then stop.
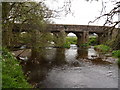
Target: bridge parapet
<point x="76" y="28"/>
<point x="65" y="27"/>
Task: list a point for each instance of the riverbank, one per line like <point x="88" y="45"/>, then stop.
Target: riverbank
<point x="12" y="74"/>
<point x="106" y="49"/>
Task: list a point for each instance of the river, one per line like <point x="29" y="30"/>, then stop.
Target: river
<point x="71" y="68"/>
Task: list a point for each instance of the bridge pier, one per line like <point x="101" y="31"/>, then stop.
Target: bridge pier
<point x="99" y="38"/>
<point x="85" y="36"/>
<point x="79" y="39"/>
<point x="82" y="38"/>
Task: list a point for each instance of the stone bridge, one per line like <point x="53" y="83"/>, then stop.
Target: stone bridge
<point x="81" y="31"/>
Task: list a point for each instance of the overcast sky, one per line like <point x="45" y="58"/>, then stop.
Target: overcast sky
<point x="83" y="11"/>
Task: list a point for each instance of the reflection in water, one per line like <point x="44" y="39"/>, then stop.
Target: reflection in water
<point x="40" y="63"/>
<point x="59" y="58"/>
<point x="67" y="68"/>
<point x="82" y="53"/>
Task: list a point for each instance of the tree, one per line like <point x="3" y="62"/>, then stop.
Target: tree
<point x="30" y="13"/>
<point x="114" y="41"/>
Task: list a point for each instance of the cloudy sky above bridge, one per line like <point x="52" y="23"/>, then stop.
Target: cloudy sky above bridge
<point x="83" y="11"/>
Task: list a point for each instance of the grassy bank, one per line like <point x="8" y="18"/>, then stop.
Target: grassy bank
<point x="12" y="74"/>
<point x="106" y="49"/>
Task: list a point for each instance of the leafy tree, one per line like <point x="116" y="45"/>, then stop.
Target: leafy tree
<point x="27" y="14"/>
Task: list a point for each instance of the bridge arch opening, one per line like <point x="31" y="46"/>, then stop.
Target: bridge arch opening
<point x="93" y="38"/>
<point x="71" y="38"/>
<point x="71" y="34"/>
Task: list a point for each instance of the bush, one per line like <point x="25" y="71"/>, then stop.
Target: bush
<point x="12" y="74"/>
<point x="103" y="48"/>
<point x="67" y="45"/>
<point x="116" y="53"/>
<point x="92" y="41"/>
<point x="85" y="45"/>
<point x="118" y="62"/>
<point x="71" y="40"/>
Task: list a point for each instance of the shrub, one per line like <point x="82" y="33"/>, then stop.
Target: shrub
<point x="85" y="45"/>
<point x="12" y="74"/>
<point x="118" y="62"/>
<point x="116" y="53"/>
<point x="67" y="45"/>
<point x="71" y="40"/>
<point x="103" y="48"/>
<point x="92" y="41"/>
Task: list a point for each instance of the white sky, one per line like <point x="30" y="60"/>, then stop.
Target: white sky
<point x="83" y="11"/>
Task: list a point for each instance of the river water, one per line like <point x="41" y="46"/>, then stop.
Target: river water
<point x="71" y="68"/>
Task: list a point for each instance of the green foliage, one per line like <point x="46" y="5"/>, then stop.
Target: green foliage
<point x="118" y="62"/>
<point x="103" y="48"/>
<point x="116" y="53"/>
<point x="31" y="13"/>
<point x="67" y="45"/>
<point x="92" y="40"/>
<point x="71" y="40"/>
<point x="85" y="45"/>
<point x="24" y="37"/>
<point x="12" y="75"/>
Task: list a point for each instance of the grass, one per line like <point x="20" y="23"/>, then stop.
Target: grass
<point x="103" y="48"/>
<point x="12" y="74"/>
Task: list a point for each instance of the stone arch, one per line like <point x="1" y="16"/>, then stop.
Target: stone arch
<point x="82" y="37"/>
<point x="72" y="36"/>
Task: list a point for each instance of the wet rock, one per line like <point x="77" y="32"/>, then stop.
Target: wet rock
<point x="23" y="47"/>
<point x="23" y="58"/>
<point x="109" y="71"/>
<point x="108" y="55"/>
<point x="93" y="56"/>
<point x="76" y="63"/>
